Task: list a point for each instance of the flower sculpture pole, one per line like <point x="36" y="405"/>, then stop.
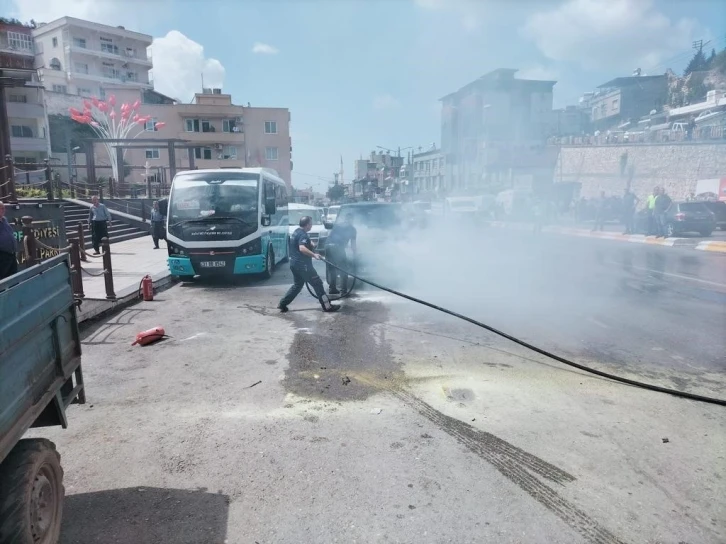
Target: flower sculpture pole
<point x="108" y="123"/>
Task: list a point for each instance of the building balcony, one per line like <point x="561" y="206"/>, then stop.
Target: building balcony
<point x="18" y="145"/>
<point x="107" y="78"/>
<point x="210" y="138"/>
<point x="22" y="110"/>
<point x="121" y="56"/>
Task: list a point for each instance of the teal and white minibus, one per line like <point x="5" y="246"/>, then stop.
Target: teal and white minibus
<point x="227" y="221"/>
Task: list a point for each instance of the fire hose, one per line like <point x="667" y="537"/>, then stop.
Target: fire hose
<point x="527" y="345"/>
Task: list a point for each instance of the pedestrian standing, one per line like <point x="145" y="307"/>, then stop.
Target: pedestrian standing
<point x="662" y="203"/>
<point x="630" y="203"/>
<point x="8" y="247"/>
<point x="157" y="224"/>
<point x="99" y="218"/>
<point x="301" y="264"/>
<point x="650" y="204"/>
<point x="600" y="212"/>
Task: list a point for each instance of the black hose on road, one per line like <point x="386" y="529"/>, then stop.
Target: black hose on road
<point x="635" y="383"/>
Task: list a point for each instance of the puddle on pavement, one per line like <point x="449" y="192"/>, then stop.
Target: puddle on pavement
<point x="341" y="358"/>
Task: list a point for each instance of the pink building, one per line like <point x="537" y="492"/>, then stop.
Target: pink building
<point x="217" y="133"/>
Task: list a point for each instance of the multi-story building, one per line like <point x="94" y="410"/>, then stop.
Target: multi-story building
<point x="25" y="129"/>
<point x="626" y="99"/>
<point x="486" y="123"/>
<point x="570" y="121"/>
<point x="428" y="169"/>
<point x="83" y="58"/>
<point x="216" y="132"/>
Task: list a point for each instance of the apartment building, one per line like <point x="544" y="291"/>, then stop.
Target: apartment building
<point x="427" y="168"/>
<point x="214" y="131"/>
<point x="83" y="58"/>
<point x="624" y="100"/>
<point x="25" y="129"/>
<point x="486" y="123"/>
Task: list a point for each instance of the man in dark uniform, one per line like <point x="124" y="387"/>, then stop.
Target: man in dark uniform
<point x="343" y="233"/>
<point x="301" y="264"/>
<point x="8" y="246"/>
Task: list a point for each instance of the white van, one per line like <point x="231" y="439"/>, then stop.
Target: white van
<point x="298" y="211"/>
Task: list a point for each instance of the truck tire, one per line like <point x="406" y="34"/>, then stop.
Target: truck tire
<point x="269" y="264"/>
<point x="31" y="494"/>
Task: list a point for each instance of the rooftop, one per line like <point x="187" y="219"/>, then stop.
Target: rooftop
<point x="628" y="81"/>
<point x="44" y="28"/>
<point x="499" y="78"/>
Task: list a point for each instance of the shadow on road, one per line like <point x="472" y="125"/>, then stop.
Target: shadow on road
<point x="142" y="515"/>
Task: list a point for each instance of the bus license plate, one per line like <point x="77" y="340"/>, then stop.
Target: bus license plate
<point x="212" y="264"/>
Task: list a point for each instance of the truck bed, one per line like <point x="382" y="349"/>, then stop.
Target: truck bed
<point x="40" y="350"/>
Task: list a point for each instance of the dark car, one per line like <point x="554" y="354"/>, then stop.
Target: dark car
<point x="717" y="208"/>
<point x="682" y="217"/>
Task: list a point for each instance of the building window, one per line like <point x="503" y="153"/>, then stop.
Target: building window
<point x="23" y="42"/>
<point x="270" y="127"/>
<point x="229" y="152"/>
<point x="229" y="125"/>
<point x="83" y="91"/>
<point x="616" y="104"/>
<point x="21" y="131"/>
<point x="107" y="46"/>
<point x="150" y="125"/>
<point x="271" y="153"/>
<point x="191" y="125"/>
<point x="152" y="153"/>
<point x="203" y="153"/>
<point x="60" y="89"/>
<point x="55" y="64"/>
<point x="110" y="72"/>
<point x="81" y="67"/>
<point x="130" y="52"/>
<point x="55" y="42"/>
<point x="79" y="42"/>
<point x="19" y="98"/>
<point x="132" y="76"/>
<point x="207" y="126"/>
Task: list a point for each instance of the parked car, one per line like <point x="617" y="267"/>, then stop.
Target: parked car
<point x="682" y="217"/>
<point x="718" y="208"/>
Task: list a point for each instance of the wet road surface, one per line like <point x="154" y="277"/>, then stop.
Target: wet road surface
<point x="386" y="422"/>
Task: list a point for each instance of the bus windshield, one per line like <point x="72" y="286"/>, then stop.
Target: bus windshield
<point x="215" y="195"/>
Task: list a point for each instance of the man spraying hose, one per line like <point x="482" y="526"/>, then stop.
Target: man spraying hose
<point x="342" y="234"/>
<point x="301" y="264"/>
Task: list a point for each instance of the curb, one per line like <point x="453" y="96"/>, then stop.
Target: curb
<point x="716" y="246"/>
<point x="98" y="309"/>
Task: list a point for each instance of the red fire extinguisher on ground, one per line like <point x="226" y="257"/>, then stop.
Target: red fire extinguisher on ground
<point x="146" y="288"/>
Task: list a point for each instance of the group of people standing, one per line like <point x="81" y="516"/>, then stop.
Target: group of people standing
<point x="656" y="206"/>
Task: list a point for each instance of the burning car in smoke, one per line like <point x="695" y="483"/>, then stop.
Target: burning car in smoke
<point x="380" y="228"/>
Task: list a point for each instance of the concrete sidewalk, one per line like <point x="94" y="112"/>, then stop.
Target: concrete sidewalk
<point x="717" y="245"/>
<point x="131" y="260"/>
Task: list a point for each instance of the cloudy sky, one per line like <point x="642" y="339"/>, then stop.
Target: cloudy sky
<point x="357" y="74"/>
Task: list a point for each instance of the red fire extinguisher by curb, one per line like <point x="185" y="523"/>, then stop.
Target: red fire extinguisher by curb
<point x="146" y="288"/>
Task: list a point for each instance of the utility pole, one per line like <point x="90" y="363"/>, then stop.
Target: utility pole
<point x="698" y="45"/>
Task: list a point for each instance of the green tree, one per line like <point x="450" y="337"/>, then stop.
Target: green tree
<point x="336" y="192"/>
<point x="62" y="128"/>
<point x="697" y="63"/>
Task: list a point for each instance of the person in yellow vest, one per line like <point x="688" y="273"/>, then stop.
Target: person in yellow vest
<point x="650" y="206"/>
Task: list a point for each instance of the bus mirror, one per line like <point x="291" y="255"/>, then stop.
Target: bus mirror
<point x="270" y="208"/>
<point x="266" y="221"/>
<point x="328" y="225"/>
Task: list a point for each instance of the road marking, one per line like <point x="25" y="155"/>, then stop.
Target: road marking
<point x="672" y="275"/>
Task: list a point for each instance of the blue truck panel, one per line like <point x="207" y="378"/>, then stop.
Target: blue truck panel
<point x="40" y="350"/>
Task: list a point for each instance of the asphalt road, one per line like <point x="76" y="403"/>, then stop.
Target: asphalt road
<point x="388" y="422"/>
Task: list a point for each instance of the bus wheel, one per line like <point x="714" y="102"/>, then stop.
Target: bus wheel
<point x="269" y="264"/>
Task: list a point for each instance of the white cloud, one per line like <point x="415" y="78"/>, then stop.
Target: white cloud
<point x="609" y="34"/>
<point x="384" y="102"/>
<point x="179" y="64"/>
<point x="264" y="49"/>
<point x="470" y="12"/>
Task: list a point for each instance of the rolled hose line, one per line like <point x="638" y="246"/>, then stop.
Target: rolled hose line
<point x="343" y="294"/>
<point x="531" y="347"/>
